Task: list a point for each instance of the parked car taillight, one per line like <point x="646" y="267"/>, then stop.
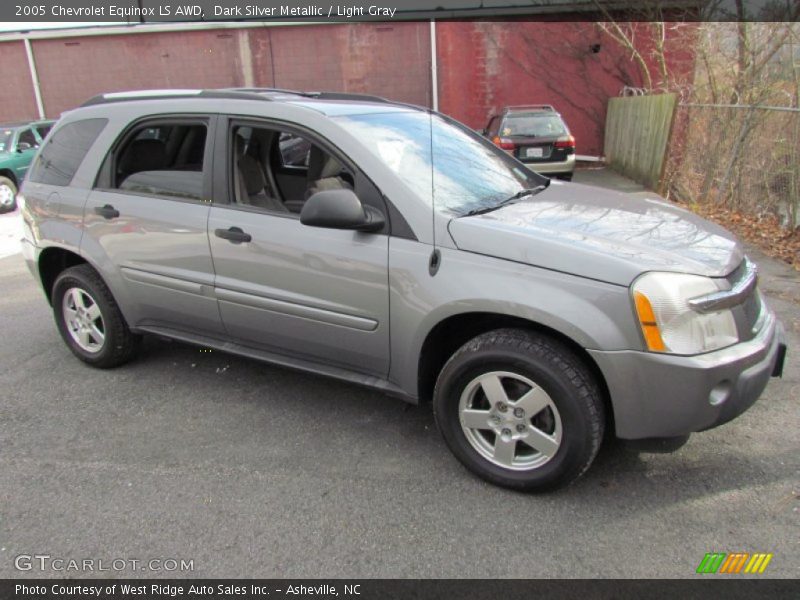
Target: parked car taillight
<point x="565" y="142"/>
<point x="503" y="143"/>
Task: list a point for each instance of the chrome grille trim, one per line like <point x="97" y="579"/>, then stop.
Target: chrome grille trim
<point x="738" y="293"/>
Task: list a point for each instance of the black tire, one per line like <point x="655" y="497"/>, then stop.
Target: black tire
<point x="5" y="181"/>
<point x="554" y="368"/>
<point x="566" y="176"/>
<point x="120" y="344"/>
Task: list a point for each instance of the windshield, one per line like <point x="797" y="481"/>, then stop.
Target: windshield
<point x="442" y="161"/>
<point x="533" y="125"/>
<point x="5" y="139"/>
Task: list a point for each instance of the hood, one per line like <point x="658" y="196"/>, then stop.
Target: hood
<point x="600" y="234"/>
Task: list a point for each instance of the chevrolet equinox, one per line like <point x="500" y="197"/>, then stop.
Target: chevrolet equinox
<point x="388" y="245"/>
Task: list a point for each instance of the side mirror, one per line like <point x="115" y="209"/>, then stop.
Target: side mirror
<point x="22" y="146"/>
<point x="340" y="209"/>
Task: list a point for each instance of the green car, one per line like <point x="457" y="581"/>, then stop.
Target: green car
<point x="18" y="145"/>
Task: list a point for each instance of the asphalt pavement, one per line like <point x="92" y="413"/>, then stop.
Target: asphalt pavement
<point x="248" y="470"/>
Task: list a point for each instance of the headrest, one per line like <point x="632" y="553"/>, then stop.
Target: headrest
<point x="143" y="155"/>
<point x="322" y="165"/>
<point x="252" y="173"/>
<point x="239" y="144"/>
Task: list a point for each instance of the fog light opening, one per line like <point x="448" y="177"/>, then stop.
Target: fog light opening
<point x="720" y="393"/>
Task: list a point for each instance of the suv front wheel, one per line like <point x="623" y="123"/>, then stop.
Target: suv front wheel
<point x="8" y="195"/>
<point x="89" y="319"/>
<point x="520" y="410"/>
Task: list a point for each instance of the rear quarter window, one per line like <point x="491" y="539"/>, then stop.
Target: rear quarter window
<point x="64" y="152"/>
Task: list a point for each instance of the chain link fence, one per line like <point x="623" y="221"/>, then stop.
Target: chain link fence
<point x="745" y="158"/>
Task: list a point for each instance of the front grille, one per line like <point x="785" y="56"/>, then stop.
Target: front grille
<point x="734" y="276"/>
<point x="748" y="312"/>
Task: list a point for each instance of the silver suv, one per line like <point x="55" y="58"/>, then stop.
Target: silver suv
<point x="390" y="246"/>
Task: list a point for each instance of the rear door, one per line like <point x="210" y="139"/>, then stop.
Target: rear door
<point x="147" y="216"/>
<point x="316" y="294"/>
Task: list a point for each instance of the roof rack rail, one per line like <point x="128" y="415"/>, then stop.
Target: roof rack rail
<point x="263" y="90"/>
<point x="348" y="96"/>
<point x="168" y="94"/>
<point x="316" y="95"/>
<point x="531" y="107"/>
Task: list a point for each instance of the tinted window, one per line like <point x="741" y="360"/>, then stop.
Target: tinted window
<point x="164" y="160"/>
<point x="533" y="125"/>
<point x="63" y="153"/>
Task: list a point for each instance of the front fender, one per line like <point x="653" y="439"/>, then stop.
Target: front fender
<point x="593" y="314"/>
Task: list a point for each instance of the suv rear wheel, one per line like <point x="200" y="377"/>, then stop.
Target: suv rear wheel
<point x="89" y="319"/>
<point x="520" y="410"/>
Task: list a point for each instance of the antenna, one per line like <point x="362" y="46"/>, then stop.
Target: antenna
<point x="435" y="260"/>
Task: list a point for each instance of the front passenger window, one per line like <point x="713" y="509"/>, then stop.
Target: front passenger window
<point x="163" y="160"/>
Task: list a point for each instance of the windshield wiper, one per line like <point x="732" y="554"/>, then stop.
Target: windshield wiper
<point x="520" y="194"/>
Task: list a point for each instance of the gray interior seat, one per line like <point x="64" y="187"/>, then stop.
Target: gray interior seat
<point x="190" y="152"/>
<point x="323" y="173"/>
<point x="142" y="155"/>
<point x="251" y="183"/>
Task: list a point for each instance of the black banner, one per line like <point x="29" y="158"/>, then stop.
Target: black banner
<point x="407" y="589"/>
<point x="123" y="12"/>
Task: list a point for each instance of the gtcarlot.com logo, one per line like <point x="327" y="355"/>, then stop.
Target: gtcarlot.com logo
<point x="734" y="563"/>
<point x="45" y="562"/>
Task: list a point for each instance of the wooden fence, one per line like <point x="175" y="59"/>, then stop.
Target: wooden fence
<point x="637" y="135"/>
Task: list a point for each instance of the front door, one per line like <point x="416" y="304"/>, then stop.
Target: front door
<point x="310" y="293"/>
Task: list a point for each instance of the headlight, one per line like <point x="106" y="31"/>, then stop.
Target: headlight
<point x="668" y="322"/>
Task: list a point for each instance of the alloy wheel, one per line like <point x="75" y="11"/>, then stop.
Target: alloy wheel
<point x="84" y="320"/>
<point x="510" y="421"/>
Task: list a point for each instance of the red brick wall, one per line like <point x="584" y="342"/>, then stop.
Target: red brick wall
<point x="17" y="101"/>
<point x="387" y="59"/>
<point x="484" y="66"/>
<point x="72" y="70"/>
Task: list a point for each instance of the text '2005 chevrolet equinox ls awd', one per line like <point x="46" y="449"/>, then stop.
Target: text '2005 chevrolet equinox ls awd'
<point x="390" y="246"/>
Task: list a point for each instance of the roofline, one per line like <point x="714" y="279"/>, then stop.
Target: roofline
<point x="251" y="93"/>
<point x="167" y="94"/>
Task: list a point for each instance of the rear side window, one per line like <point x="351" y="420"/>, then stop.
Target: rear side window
<point x="64" y="152"/>
<point x="164" y="159"/>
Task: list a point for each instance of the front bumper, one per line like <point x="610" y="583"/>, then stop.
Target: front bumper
<point x="661" y="396"/>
